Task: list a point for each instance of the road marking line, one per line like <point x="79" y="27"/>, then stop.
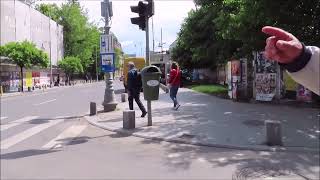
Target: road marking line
<point x="70" y="133"/>
<point x="17" y="122"/>
<point x="45" y="102"/>
<point x="7" y="143"/>
<point x="2" y="118"/>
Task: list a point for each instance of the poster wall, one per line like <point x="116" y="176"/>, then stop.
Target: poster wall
<point x="229" y="79"/>
<point x="236" y="77"/>
<point x="265" y="78"/>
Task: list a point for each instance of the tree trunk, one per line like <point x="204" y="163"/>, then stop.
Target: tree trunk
<point x="21" y="78"/>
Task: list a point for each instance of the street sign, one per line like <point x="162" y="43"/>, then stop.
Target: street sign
<point x="106" y="43"/>
<point x="107" y="62"/>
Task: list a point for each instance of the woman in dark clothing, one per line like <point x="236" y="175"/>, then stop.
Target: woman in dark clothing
<point x="174" y="84"/>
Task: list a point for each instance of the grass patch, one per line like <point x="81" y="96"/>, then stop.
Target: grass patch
<point x="210" y="89"/>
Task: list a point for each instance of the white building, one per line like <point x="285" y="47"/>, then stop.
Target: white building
<point x="19" y="22"/>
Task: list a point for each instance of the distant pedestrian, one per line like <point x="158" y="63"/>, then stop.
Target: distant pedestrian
<point x="58" y="80"/>
<point x="86" y="78"/>
<point x="134" y="87"/>
<point x="174" y="84"/>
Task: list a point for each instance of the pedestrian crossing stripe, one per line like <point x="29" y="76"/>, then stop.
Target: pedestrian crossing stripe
<point x="70" y="133"/>
<point x="17" y="122"/>
<point x="11" y="141"/>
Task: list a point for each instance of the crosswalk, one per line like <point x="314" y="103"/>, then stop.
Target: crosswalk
<point x="36" y="126"/>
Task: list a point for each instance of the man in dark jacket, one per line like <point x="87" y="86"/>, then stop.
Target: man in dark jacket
<point x="134" y="88"/>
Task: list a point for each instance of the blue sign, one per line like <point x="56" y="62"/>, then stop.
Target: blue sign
<point x="107" y="62"/>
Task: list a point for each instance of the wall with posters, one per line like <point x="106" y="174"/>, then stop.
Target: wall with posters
<point x="265" y="78"/>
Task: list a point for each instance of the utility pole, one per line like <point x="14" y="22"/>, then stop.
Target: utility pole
<point x="95" y="47"/>
<point x="109" y="102"/>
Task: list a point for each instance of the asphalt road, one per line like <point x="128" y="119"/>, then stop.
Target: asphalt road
<point x="43" y="136"/>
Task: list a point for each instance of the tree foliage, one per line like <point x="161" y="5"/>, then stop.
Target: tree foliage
<point x="71" y="65"/>
<point x="80" y="36"/>
<point x="118" y="54"/>
<point x="24" y="54"/>
<point x="219" y="30"/>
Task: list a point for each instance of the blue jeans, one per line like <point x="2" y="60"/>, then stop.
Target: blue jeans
<point x="173" y="94"/>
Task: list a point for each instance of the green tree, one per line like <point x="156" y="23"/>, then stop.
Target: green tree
<point x="119" y="56"/>
<point x="80" y="36"/>
<point x="25" y="55"/>
<point x="71" y="65"/>
<point x="221" y="29"/>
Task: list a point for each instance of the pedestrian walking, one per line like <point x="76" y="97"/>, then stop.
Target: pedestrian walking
<point x="174" y="84"/>
<point x="134" y="88"/>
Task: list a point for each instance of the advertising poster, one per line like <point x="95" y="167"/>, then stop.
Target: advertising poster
<point x="29" y="79"/>
<point x="44" y="78"/>
<point x="229" y="79"/>
<point x="107" y="62"/>
<point x="236" y="77"/>
<point x="36" y="78"/>
<point x="303" y="94"/>
<point x="14" y="81"/>
<point x="265" y="79"/>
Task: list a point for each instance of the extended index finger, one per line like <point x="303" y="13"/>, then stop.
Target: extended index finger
<point x="277" y="32"/>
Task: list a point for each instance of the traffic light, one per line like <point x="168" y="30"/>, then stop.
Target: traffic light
<point x="145" y="9"/>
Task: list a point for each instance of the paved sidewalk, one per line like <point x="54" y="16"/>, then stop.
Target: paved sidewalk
<point x="207" y="120"/>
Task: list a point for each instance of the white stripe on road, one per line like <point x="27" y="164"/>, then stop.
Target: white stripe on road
<point x="2" y="118"/>
<point x="45" y="102"/>
<point x="69" y="134"/>
<point x="7" y="143"/>
<point x="17" y="122"/>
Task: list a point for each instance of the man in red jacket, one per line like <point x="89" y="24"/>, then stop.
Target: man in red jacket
<point x="174" y="84"/>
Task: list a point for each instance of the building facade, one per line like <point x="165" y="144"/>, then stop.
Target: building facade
<point x="19" y="22"/>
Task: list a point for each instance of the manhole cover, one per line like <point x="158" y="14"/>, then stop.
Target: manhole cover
<point x="253" y="123"/>
<point x="264" y="173"/>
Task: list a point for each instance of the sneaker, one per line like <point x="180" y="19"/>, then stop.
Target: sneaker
<point x="177" y="107"/>
<point x="144" y="114"/>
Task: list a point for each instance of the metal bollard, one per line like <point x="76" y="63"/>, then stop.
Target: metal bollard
<point x="93" y="108"/>
<point x="273" y="133"/>
<point x="129" y="119"/>
<point x="123" y="97"/>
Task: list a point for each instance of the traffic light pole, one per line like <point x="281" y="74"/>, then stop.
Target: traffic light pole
<point x="148" y="64"/>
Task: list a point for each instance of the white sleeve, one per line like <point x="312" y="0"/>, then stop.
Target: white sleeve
<point x="309" y="76"/>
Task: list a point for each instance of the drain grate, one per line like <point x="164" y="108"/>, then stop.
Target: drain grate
<point x="264" y="172"/>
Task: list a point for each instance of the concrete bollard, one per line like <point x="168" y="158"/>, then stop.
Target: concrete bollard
<point x="123" y="97"/>
<point x="93" y="108"/>
<point x="129" y="119"/>
<point x="273" y="133"/>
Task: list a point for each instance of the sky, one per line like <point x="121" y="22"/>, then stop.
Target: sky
<point x="169" y="15"/>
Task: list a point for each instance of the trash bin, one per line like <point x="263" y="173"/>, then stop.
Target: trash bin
<point x="150" y="82"/>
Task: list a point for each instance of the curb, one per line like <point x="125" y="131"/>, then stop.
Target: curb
<point x="26" y="93"/>
<point x="91" y="120"/>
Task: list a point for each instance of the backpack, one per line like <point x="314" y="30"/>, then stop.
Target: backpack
<point x="139" y="80"/>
